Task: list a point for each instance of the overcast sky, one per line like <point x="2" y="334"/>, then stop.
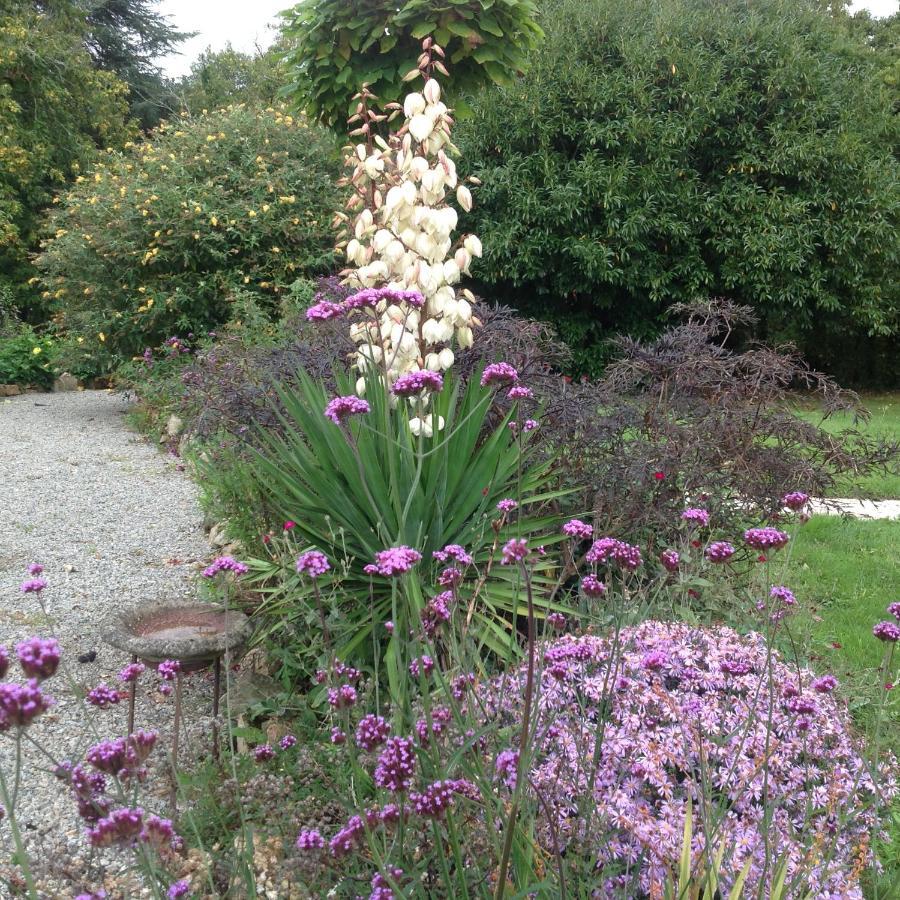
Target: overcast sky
<point x="247" y="24"/>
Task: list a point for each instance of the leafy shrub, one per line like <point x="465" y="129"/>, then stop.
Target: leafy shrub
<point x="26" y="358"/>
<point x="337" y="48"/>
<point x="56" y="111"/>
<point x="646" y="157"/>
<point x="207" y="217"/>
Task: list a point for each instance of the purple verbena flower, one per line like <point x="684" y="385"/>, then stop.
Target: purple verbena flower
<point x="421" y="665"/>
<point x="33" y="585"/>
<point x="35" y="569"/>
<point x="894" y="610"/>
<point x="396" y="765"/>
<point x="575" y="528"/>
<point x="696" y="516"/>
<point x="287" y="742"/>
<point x="670" y="560"/>
<point x="263" y="753"/>
<point x="168" y="669"/>
<point x="719" y="552"/>
<point x="825" y="685"/>
<point x="556" y="620"/>
<point x="413" y="383"/>
<point x="339" y="409"/>
<point x="158" y="833"/>
<point x="453" y="552"/>
<point x="313" y="564"/>
<point x="324" y="310"/>
<point x="795" y="500"/>
<point x="530" y="425"/>
<point x="178" y="889"/>
<point x="132" y="672"/>
<point x="310" y="839"/>
<point x="342" y="697"/>
<point x="225" y="564"/>
<point x="39" y="657"/>
<point x="520" y="392"/>
<point x="591" y="586"/>
<point x="21" y="704"/>
<point x="506" y="766"/>
<point x="499" y="373"/>
<point x="395" y="561"/>
<point x="121" y="826"/>
<point x="103" y="696"/>
<point x="884" y="631"/>
<point x="514" y="551"/>
<point x="765" y="538"/>
<point x="371" y="732"/>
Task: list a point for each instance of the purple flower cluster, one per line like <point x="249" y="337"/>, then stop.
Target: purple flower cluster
<point x="767" y="538"/>
<point x="686" y="700"/>
<point x="313" y="564"/>
<point x="887" y="631"/>
<point x="371" y="732"/>
<point x="795" y="500"/>
<point x="591" y="586"/>
<point x="670" y="560"/>
<point x="168" y="669"/>
<point x="507" y="505"/>
<point x="287" y="742"/>
<point x="35" y="569"/>
<point x="696" y="516"/>
<point x="556" y="621"/>
<point x="499" y="373"/>
<point x="39" y="657"/>
<point x="507" y="766"/>
<point x="339" y="409"/>
<point x="131" y="672"/>
<point x="894" y="610"/>
<point x="453" y="552"/>
<point x="514" y="551"/>
<point x="310" y="839"/>
<point x="396" y="765"/>
<point x="21" y="704"/>
<point x="120" y="827"/>
<point x="4" y="661"/>
<point x="436" y="612"/>
<point x="413" y="383"/>
<point x="438" y="797"/>
<point x="178" y="889"/>
<point x="719" y="552"/>
<point x="103" y="696"/>
<point x="421" y="665"/>
<point x="225" y="564"/>
<point x="33" y="585"/>
<point x="366" y="298"/>
<point x="393" y="562"/>
<point x="575" y="528"/>
<point x="601" y="550"/>
<point x="263" y="753"/>
<point x="342" y="697"/>
<point x="520" y="392"/>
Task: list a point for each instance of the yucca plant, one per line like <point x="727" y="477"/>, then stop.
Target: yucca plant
<point x="373" y="483"/>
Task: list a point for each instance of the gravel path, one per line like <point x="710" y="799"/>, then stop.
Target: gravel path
<point x="859" y="509"/>
<point x="115" y="524"/>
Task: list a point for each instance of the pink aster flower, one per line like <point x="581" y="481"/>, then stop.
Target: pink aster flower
<point x="340" y="409"/>
<point x="499" y="373"/>
<point x="313" y="564"/>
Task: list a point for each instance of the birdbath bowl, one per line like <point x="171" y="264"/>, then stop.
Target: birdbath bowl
<point x="195" y="634"/>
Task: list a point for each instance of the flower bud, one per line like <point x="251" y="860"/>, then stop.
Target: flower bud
<point x="473" y="245"/>
<point x="463" y="259"/>
<point x="464" y="197"/>
<point x="451" y="271"/>
<point x="420" y="127"/>
<point x="360" y="386"/>
<point x="413" y="105"/>
<point x="446" y="358"/>
<point x="464" y="336"/>
<point x="353" y="249"/>
<point x="432" y="91"/>
<point x="433" y="362"/>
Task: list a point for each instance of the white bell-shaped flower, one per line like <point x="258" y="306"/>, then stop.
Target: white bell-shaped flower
<point x="473" y="245"/>
<point x="464" y="197"/>
<point x="421" y="127"/>
<point x="413" y="104"/>
<point x="432" y="91"/>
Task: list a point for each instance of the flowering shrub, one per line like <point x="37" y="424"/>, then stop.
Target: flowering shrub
<point x="178" y="232"/>
<point x="702" y="716"/>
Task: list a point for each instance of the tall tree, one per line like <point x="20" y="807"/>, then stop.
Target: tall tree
<point x="126" y="37"/>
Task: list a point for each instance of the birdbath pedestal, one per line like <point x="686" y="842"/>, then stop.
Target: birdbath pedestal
<point x="197" y="635"/>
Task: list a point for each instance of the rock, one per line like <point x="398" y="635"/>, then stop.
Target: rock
<point x="10" y="390"/>
<point x="174" y="426"/>
<point x="65" y="382"/>
<point x="217" y="536"/>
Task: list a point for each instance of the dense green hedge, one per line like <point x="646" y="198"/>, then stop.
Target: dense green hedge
<point x="206" y="219"/>
<point x="656" y="150"/>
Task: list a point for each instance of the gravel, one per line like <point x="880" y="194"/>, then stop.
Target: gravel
<point x="115" y="523"/>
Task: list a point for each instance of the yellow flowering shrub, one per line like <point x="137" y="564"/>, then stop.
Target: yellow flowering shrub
<point x="174" y="233"/>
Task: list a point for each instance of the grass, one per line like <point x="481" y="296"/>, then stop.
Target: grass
<point x="884" y="423"/>
<point x="844" y="573"/>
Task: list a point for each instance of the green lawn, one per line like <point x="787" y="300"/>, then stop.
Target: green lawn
<point x="844" y="573"/>
<point x="884" y="422"/>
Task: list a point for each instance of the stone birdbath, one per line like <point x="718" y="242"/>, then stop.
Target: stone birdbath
<point x="197" y="635"/>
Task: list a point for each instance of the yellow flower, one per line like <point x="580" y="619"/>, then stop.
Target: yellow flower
<point x="289" y="199"/>
<point x="36" y="350"/>
<point x="213" y="221"/>
<point x="81" y="340"/>
<point x="251" y="213"/>
<point x="265" y="207"/>
<point x="276" y="249"/>
<point x="102" y="337"/>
